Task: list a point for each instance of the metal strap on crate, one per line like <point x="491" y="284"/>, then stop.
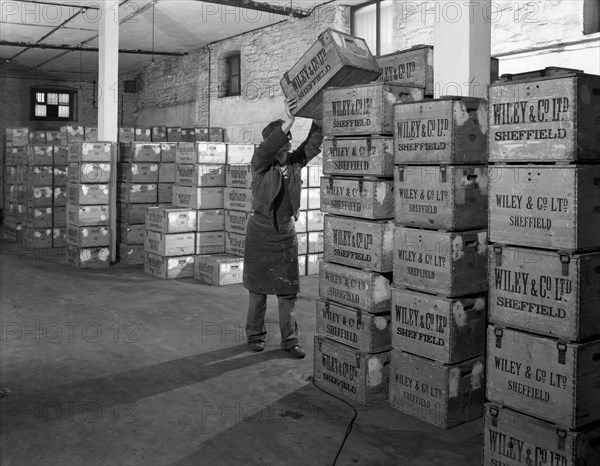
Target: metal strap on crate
<point x="565" y="259"/>
<point x="498" y="253"/>
<point x="561" y="346"/>
<point x="443" y="173"/>
<point x="494" y="413"/>
<point x="400" y="169"/>
<point x="561" y="435"/>
<point x="499" y="333"/>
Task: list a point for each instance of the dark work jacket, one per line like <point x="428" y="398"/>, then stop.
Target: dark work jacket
<point x="267" y="178"/>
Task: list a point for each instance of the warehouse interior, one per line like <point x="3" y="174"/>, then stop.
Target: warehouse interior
<point x="114" y="366"/>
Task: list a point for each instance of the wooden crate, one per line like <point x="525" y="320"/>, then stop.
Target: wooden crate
<point x="441" y="262"/>
<point x="200" y="175"/>
<point x="545" y="292"/>
<point x="53" y="137"/>
<point x="136" y="193"/>
<point x="89" y="173"/>
<point x="91" y="152"/>
<point x="166" y="172"/>
<point x="409" y="66"/>
<point x="552" y="207"/>
<point x="88" y="237"/>
<point x="366" y="332"/>
<point x="168" y="219"/>
<point x="60" y="155"/>
<point x="335" y="59"/>
<point x="59" y="217"/>
<point x="59" y="237"/>
<point x="210" y="220"/>
<point x="40" y="155"/>
<point x="69" y="134"/>
<point x="219" y="269"/>
<point x="88" y="194"/>
<point x="238" y="199"/>
<point x="365" y="244"/>
<point x="364" y="110"/>
<point x="138" y="172"/>
<point x="235" y="244"/>
<point x="367" y="291"/>
<point x="551" y="117"/>
<point x="165" y="193"/>
<point x="38" y="238"/>
<point x="131" y="234"/>
<point x="159" y="134"/>
<point x="170" y="244"/>
<point x="132" y="213"/>
<point x="369" y="198"/>
<point x="238" y="176"/>
<point x="204" y="152"/>
<point x="141" y="152"/>
<point x="350" y="373"/>
<point x="370" y="156"/>
<point x="126" y="135"/>
<point x="143" y="135"/>
<point x="439" y="394"/>
<point x="199" y="198"/>
<point x="168" y="152"/>
<point x="40" y="217"/>
<point x="174" y="134"/>
<point x="236" y="221"/>
<point x="240" y="153"/>
<point x="544" y="377"/>
<point x="451" y="130"/>
<point x="37" y="137"/>
<point x="90" y="133"/>
<point x="513" y="439"/>
<point x="188" y="134"/>
<point x="169" y="268"/>
<point x="446" y="197"/>
<point x="448" y="330"/>
<point x="40" y="176"/>
<point x="132" y="254"/>
<point x="59" y="175"/>
<point x="210" y="242"/>
<point x="88" y="215"/>
<point x="59" y="195"/>
<point x="88" y="258"/>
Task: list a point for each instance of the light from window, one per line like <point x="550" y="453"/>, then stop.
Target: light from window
<point x="52" y="105"/>
<point x="40" y="110"/>
<point x="374" y="22"/>
<point x="233" y="75"/>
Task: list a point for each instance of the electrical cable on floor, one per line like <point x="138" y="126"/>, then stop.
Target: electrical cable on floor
<point x="350" y="425"/>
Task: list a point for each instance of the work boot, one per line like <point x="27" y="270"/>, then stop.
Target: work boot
<point x="257" y="345"/>
<point x="296" y="352"/>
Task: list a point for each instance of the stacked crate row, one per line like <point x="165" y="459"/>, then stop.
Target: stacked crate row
<point x="352" y="345"/>
<point x="543" y="337"/>
<point x="14" y="182"/>
<point x="440" y="260"/>
<point x="90" y="191"/>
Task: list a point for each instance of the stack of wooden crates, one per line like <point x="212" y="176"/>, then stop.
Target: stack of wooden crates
<point x="440" y="260"/>
<point x="352" y="342"/>
<point x="543" y="340"/>
<point x="90" y="192"/>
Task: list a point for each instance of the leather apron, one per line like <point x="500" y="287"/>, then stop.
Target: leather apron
<point x="271" y="257"/>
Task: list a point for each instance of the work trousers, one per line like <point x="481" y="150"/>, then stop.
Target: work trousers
<point x="255" y="322"/>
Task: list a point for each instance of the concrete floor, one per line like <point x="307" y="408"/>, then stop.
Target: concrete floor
<point x="114" y="367"/>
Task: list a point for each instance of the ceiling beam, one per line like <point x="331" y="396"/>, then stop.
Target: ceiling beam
<point x="64" y="5"/>
<point x="261" y="6"/>
<point x="34" y="45"/>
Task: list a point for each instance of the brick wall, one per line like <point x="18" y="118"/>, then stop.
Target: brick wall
<point x="179" y="92"/>
<point x="15" y="97"/>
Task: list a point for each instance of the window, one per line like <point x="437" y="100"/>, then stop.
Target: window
<point x="591" y="17"/>
<point x="233" y="84"/>
<point x="374" y="22"/>
<point x="52" y="104"/>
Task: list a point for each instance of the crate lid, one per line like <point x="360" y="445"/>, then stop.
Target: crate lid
<point x="548" y="72"/>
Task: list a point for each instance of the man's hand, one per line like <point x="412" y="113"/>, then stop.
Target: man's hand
<point x="290" y="106"/>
